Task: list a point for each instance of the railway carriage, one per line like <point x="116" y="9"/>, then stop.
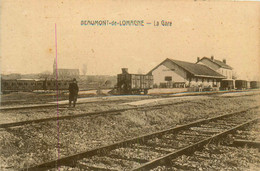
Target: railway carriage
<point x="31" y="85"/>
<point x="50" y="85"/>
<point x="63" y="84"/>
<point x="10" y="85"/>
<point x="17" y="85"/>
<point x="25" y="85"/>
<point x="54" y="84"/>
<point x="40" y="85"/>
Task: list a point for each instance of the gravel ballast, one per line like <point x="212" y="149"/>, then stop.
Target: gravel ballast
<point x="37" y="143"/>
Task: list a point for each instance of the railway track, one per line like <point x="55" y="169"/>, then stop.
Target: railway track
<point x="148" y="151"/>
<point x="162" y="95"/>
<point x="52" y="105"/>
<point x="248" y="136"/>
<point x="88" y="114"/>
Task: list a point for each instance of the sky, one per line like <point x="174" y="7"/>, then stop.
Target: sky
<point x="229" y="30"/>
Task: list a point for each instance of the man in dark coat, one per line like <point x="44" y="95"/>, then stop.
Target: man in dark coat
<point x="73" y="89"/>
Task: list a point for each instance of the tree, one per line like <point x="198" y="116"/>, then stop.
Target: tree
<point x="45" y="75"/>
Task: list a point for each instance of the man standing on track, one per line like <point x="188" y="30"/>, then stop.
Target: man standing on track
<point x="73" y="89"/>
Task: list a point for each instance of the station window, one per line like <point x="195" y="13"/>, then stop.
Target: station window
<point x="168" y="78"/>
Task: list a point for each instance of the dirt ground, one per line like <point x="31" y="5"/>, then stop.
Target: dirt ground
<point x="37" y="143"/>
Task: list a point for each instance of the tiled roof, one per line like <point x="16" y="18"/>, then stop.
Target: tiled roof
<point x="218" y="62"/>
<point x="196" y="70"/>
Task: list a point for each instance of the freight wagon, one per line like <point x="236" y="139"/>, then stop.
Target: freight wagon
<point x="133" y="83"/>
<point x="227" y="84"/>
<point x="254" y="84"/>
<point x="241" y="84"/>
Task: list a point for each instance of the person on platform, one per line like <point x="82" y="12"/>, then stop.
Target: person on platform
<point x="73" y="89"/>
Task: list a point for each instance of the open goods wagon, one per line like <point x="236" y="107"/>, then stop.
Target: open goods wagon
<point x="133" y="83"/>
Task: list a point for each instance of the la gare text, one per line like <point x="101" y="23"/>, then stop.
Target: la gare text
<point x="163" y="23"/>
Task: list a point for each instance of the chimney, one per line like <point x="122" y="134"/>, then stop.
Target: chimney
<point x="198" y="59"/>
<point x="212" y="57"/>
<point x="224" y="61"/>
<point x="125" y="70"/>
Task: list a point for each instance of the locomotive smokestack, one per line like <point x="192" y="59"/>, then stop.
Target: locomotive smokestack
<point x="125" y="70"/>
<point x="224" y="61"/>
<point x="198" y="59"/>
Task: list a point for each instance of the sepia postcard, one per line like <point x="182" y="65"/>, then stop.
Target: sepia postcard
<point x="129" y="85"/>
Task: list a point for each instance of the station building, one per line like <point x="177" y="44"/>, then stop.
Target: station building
<point x="222" y="68"/>
<point x="179" y="74"/>
<point x="217" y="65"/>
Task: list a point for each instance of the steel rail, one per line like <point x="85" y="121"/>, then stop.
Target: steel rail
<point x="98" y="113"/>
<point x="163" y="95"/>
<point x="189" y="149"/>
<point x="72" y="159"/>
<point x="26" y="107"/>
<point x="242" y="143"/>
<point x="49" y="105"/>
